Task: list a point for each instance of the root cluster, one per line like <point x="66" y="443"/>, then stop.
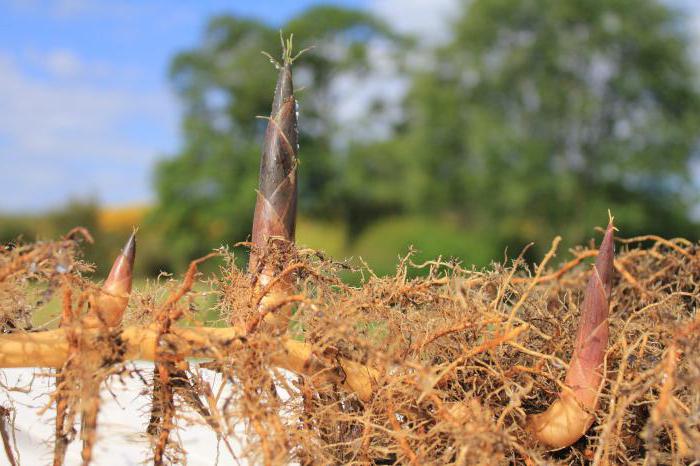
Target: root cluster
<point x="444" y="368"/>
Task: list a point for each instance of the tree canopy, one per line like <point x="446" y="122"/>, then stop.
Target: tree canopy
<point x="206" y="192"/>
<point x="540" y="114"/>
<point x="532" y="120"/>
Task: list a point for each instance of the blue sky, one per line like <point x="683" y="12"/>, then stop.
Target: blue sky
<point x="85" y="105"/>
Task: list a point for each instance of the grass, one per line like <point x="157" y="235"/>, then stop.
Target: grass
<point x="47" y="315"/>
<point x="328" y="237"/>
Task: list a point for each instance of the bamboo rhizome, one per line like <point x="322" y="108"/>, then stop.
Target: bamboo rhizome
<point x="572" y="414"/>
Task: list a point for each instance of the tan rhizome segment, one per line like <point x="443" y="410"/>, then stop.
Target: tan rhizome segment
<point x="51" y="349"/>
<point x="572" y="414"/>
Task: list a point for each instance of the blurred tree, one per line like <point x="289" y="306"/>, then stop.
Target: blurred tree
<point x="541" y="114"/>
<point x="206" y="192"/>
<point x="531" y="121"/>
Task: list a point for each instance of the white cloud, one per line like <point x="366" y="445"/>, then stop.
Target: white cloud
<point x="427" y="19"/>
<point x="385" y="83"/>
<point x="75" y="138"/>
<point x="356" y="92"/>
<point x="63" y="63"/>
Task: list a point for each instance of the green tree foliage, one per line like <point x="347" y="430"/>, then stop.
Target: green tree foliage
<point x="207" y="191"/>
<point x="531" y="121"/>
<point x="541" y="114"/>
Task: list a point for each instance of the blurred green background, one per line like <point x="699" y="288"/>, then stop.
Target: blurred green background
<point x="530" y="119"/>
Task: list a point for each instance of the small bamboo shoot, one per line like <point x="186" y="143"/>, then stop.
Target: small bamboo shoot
<point x="569" y="417"/>
<point x="113" y="298"/>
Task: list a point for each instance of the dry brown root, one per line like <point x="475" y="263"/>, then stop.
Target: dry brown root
<point x="62" y="437"/>
<point x="163" y="399"/>
<point x="4" y="418"/>
<point x="89" y="410"/>
<point x="22" y="266"/>
<point x="33" y="255"/>
<point x="154" y="421"/>
<point x="274" y="220"/>
<point x="168" y="378"/>
<point x="440" y="348"/>
<point x="181" y="385"/>
<point x="569" y="417"/>
<point x="185" y="389"/>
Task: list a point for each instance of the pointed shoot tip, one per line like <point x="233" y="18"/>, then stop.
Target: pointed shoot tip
<point x="114" y="296"/>
<point x="606" y="255"/>
<point x="129" y="250"/>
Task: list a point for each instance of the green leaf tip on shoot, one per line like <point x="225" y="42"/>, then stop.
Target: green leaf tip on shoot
<point x="287" y="50"/>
